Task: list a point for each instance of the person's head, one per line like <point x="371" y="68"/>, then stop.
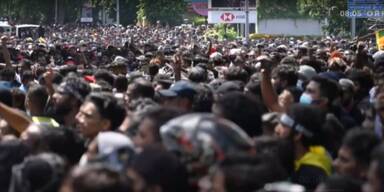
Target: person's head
<point x="105" y="75"/>
<point x="7" y="74"/>
<point x="42" y="172"/>
<point x="60" y="140"/>
<point x="375" y="175"/>
<point x="284" y="76"/>
<point x="140" y="88"/>
<point x="155" y="169"/>
<point x="198" y="75"/>
<point x="347" y="92"/>
<point x="340" y="183"/>
<point x="99" y="112"/>
<point x="26" y="77"/>
<point x="289" y="96"/>
<point x="68" y="98"/>
<point x="241" y="109"/>
<point x="180" y="95"/>
<point x="149" y="127"/>
<point x="18" y="98"/>
<point x="108" y="148"/>
<point x="203" y="100"/>
<point x="321" y="92"/>
<point x="95" y="178"/>
<point x="354" y="154"/>
<point x="36" y="100"/>
<point x="302" y="124"/>
<point x="237" y="173"/>
<point x="236" y="73"/>
<point x="12" y="152"/>
<point x="202" y="139"/>
<point x="121" y="84"/>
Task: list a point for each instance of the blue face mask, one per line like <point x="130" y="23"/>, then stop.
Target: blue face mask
<point x="306" y="99"/>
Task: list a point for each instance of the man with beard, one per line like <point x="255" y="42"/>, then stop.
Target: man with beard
<point x="67" y="100"/>
<point x="302" y="125"/>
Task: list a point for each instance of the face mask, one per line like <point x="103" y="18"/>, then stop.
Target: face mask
<point x="306" y="99"/>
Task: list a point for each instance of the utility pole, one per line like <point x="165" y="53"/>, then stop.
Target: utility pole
<point x="118" y="12"/>
<point x="247" y="21"/>
<point x="353" y="27"/>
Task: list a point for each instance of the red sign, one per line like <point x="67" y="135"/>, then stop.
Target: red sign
<point x="227" y="17"/>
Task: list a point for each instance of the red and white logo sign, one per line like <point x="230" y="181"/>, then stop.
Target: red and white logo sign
<point x="227" y="17"/>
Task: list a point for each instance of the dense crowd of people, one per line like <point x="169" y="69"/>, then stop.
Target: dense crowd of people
<point x="168" y="109"/>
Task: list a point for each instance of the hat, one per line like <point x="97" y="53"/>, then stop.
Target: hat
<point x="331" y="75"/>
<point x="307" y="71"/>
<point x="179" y="89"/>
<point x="204" y="138"/>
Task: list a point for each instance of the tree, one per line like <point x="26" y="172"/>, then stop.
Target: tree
<point x="329" y="10"/>
<point x="40" y="11"/>
<point x="128" y="9"/>
<point x="165" y="11"/>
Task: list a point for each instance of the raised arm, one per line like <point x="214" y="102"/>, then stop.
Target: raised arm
<point x="14" y="118"/>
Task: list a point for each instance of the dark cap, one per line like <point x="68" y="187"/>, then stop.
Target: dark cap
<point x="180" y="89"/>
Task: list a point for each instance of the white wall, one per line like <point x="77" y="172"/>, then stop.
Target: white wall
<point x="290" y="27"/>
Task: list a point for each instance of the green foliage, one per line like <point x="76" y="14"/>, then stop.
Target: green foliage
<point x="198" y="20"/>
<point x="40" y="11"/>
<point x="128" y="9"/>
<point x="165" y="11"/>
<point x="221" y="32"/>
<point x="327" y="9"/>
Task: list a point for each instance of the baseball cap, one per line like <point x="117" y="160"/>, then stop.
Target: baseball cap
<point x="180" y="89"/>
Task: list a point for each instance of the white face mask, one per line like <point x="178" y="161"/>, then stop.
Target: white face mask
<point x="83" y="160"/>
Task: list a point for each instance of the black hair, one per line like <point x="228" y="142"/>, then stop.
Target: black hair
<point x="18" y="99"/>
<point x="108" y="107"/>
<point x="62" y="141"/>
<point x="361" y="143"/>
<point x="27" y="75"/>
<point x="105" y="86"/>
<point x="198" y="75"/>
<point x="105" y="75"/>
<point x="153" y="70"/>
<point x="203" y="100"/>
<point x="237" y="73"/>
<point x="7" y="74"/>
<point x="38" y="95"/>
<point x="159" y="116"/>
<point x="121" y="83"/>
<point x="161" y="168"/>
<point x="6" y="97"/>
<point x="78" y="85"/>
<point x="286" y="73"/>
<point x="142" y="89"/>
<point x="328" y="88"/>
<point x="311" y="118"/>
<point x="240" y="172"/>
<point x="12" y="152"/>
<point x="97" y="178"/>
<point x="242" y="110"/>
<point x="280" y="149"/>
<point x="296" y="93"/>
